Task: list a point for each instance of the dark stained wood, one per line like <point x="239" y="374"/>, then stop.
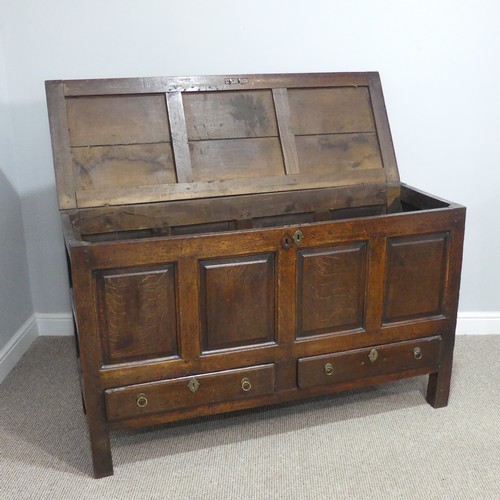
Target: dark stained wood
<point x="181" y="230"/>
<point x="237" y="301"/>
<point x="135" y="217"/>
<point x="284" y="351"/>
<point x="418" y="200"/>
<point x="137" y="313"/>
<point x="390" y="358"/>
<point x="286" y="395"/>
<point x="111" y="120"/>
<point x="331" y="288"/>
<point x="175" y="394"/>
<point x="415" y="276"/>
<point x="438" y="389"/>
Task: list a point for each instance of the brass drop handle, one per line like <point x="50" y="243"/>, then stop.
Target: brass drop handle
<point x="417" y="352"/>
<point x="141" y="400"/>
<point x="328" y="368"/>
<point x="246" y="384"/>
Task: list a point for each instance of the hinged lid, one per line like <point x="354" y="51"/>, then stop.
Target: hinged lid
<point x="140" y="140"/>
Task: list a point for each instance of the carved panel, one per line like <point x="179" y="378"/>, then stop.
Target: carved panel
<point x="137" y="313"/>
<point x="331" y="289"/>
<point x="237" y="301"/>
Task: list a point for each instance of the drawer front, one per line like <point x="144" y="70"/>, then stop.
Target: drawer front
<point x="188" y="392"/>
<point x="369" y="362"/>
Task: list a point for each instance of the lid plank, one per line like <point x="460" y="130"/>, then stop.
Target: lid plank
<point x="146" y="140"/>
<point x="112" y="120"/>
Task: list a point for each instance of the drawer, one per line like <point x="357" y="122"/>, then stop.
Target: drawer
<point x="188" y="392"/>
<point x="369" y="362"/>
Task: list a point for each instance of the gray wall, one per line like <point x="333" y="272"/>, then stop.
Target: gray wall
<point x="15" y="293"/>
<point x="438" y="61"/>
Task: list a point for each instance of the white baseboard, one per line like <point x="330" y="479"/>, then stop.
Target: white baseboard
<point x="478" y="323"/>
<point x="58" y="325"/>
<point x="17" y="346"/>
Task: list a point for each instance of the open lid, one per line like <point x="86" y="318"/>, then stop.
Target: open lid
<point x="141" y="140"/>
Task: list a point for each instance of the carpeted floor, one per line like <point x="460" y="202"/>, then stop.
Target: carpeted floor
<point x="378" y="443"/>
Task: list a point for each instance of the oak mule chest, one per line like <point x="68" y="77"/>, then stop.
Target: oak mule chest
<point x="239" y="241"/>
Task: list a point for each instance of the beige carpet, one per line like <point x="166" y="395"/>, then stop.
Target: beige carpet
<point x="378" y="443"/>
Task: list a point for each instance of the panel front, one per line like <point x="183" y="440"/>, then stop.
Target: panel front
<point x="331" y="285"/>
<point x="237" y="301"/>
<point x="415" y="277"/>
<point x="137" y="313"/>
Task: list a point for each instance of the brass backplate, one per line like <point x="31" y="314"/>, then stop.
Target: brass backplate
<point x="328" y="368"/>
<point x="193" y="385"/>
<point x="373" y="355"/>
<point x="298" y="237"/>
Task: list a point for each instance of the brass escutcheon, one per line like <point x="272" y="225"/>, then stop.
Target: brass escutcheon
<point x="298" y="237"/>
<point x="417" y="352"/>
<point x="373" y="355"/>
<point x="193" y="385"/>
<point x="328" y="368"/>
<point x="141" y="400"/>
<point x="287" y="241"/>
<point x="245" y="384"/>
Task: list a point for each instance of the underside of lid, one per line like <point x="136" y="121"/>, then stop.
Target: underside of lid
<point x="137" y="140"/>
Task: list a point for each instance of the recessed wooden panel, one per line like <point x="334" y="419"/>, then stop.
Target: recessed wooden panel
<point x="226" y="115"/>
<point x="137" y="312"/>
<point x="237" y="301"/>
<point x="236" y="158"/>
<point x="330" y="110"/>
<point x="331" y="289"/>
<point x="123" y="166"/>
<point x="106" y="120"/>
<point x="415" y="276"/>
<point x="320" y="154"/>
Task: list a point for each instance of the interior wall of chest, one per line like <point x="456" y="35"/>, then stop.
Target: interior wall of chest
<point x="191" y="217"/>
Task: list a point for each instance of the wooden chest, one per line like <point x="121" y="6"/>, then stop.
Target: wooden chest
<point x="244" y="240"/>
